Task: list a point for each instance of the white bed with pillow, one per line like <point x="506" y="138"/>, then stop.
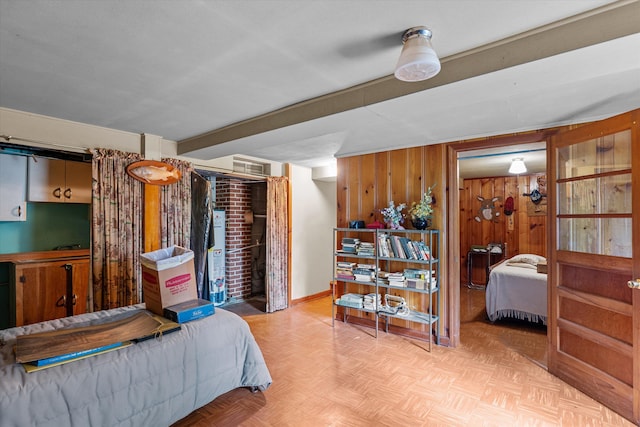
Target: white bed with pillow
<point x="151" y="383"/>
<point x="517" y="290"/>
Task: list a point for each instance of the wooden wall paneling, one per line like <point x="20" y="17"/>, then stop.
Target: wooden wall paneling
<point x="463" y="224"/>
<point x="527" y="235"/>
<point x="342" y="190"/>
<point x="414" y="179"/>
<point x="353" y="194"/>
<point x="511" y="223"/>
<point x="499" y="229"/>
<point x="381" y="176"/>
<point x="523" y="217"/>
<point x="367" y="189"/>
<point x="436" y="165"/>
<point x="397" y="175"/>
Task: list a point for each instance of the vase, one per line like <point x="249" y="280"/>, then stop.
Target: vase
<point x="421" y="223"/>
<point x="394" y="225"/>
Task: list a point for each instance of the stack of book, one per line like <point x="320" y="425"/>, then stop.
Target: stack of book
<point x="371" y="301"/>
<point x="417" y="273"/>
<point x="344" y="270"/>
<point x="396" y="279"/>
<point x="364" y="272"/>
<point x="382" y="278"/>
<point x="366" y="249"/>
<point x="351" y="300"/>
<point x="350" y="245"/>
<point x="420" y="279"/>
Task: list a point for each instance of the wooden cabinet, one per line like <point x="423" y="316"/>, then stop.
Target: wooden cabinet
<point x="49" y="289"/>
<point x="13" y="188"/>
<point x="62" y="181"/>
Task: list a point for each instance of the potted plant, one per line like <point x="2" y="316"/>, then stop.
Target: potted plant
<point x="393" y="215"/>
<point x="420" y="212"/>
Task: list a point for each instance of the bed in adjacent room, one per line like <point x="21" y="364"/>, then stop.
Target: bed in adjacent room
<point x="153" y="382"/>
<point x="517" y="290"/>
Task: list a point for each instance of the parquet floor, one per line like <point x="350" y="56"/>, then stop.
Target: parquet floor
<point x="343" y="376"/>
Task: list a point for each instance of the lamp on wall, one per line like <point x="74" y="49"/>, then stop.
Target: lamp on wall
<point x="517" y="166"/>
<point x="418" y="61"/>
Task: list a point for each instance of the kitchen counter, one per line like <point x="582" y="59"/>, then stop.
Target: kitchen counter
<point x="24" y="257"/>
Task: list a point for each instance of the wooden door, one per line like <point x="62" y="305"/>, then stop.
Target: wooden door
<point x="42" y="292"/>
<point x="594" y="242"/>
<point x="80" y="277"/>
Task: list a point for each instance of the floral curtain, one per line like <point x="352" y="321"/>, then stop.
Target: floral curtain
<point x="175" y="208"/>
<point x="277" y="242"/>
<point x="117" y="230"/>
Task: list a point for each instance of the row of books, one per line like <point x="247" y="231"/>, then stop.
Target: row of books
<point x="392" y="246"/>
<point x="410" y="278"/>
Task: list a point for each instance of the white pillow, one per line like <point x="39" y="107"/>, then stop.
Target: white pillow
<point x="530" y="259"/>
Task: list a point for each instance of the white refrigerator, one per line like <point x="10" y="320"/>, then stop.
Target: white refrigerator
<point x="215" y="260"/>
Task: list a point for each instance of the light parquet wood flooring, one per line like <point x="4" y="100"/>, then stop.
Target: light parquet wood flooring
<point x="344" y="376"/>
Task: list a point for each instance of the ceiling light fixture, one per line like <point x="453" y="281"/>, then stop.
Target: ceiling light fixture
<point x="418" y="61"/>
<point x="517" y="166"/>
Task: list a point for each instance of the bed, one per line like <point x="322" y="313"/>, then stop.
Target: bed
<point x="517" y="290"/>
<point x="154" y="382"/>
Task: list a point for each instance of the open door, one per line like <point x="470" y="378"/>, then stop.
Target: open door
<point x="594" y="246"/>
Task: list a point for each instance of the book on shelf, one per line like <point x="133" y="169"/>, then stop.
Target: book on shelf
<point x="371" y="301"/>
<point x="365" y="249"/>
<point x="345" y="265"/>
<point x="371" y="267"/>
<point x="351" y="300"/>
<point x="417" y="273"/>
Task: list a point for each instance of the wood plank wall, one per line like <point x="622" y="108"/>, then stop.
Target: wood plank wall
<point x="366" y="184"/>
<point x="522" y="232"/>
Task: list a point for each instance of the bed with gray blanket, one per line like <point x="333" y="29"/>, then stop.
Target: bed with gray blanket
<point x="153" y="383"/>
<point x="517" y="290"/>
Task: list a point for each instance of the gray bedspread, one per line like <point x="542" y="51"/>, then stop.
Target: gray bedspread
<point x="518" y="291"/>
<point x="151" y="383"/>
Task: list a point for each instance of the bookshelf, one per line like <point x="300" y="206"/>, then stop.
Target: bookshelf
<point x="386" y="275"/>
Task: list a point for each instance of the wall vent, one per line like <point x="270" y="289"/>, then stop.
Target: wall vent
<point x="251" y="167"/>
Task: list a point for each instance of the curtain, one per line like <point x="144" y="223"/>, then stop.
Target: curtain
<point x="277" y="280"/>
<point x="175" y="208"/>
<point x="117" y="230"/>
<point x="201" y="218"/>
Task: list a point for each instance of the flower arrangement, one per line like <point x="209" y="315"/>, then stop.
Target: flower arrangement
<point x="393" y="215"/>
<point x="423" y="209"/>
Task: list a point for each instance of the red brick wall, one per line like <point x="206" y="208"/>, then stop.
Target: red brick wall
<point x="235" y="198"/>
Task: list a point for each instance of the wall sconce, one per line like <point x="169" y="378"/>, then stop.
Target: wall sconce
<point x="517" y="166"/>
<point x="418" y="61"/>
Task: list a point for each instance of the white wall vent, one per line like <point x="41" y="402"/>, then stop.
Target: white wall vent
<point x="251" y="167"/>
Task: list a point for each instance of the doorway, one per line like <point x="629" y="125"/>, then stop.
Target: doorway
<point x="454" y="218"/>
<point x="497" y="222"/>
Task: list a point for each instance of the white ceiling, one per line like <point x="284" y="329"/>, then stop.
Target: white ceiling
<point x="180" y="69"/>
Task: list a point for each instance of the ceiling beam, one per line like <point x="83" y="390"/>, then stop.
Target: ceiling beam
<point x="600" y="25"/>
